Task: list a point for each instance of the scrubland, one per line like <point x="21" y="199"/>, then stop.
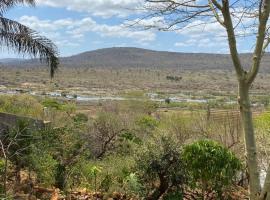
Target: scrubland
<point x="130" y="149"/>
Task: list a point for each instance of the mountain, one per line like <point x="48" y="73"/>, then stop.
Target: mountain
<point x="10" y="60"/>
<point x="126" y="57"/>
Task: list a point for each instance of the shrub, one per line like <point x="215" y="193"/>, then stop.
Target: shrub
<point x="104" y="134"/>
<point x="160" y="162"/>
<point x="147" y="124"/>
<point x="168" y="100"/>
<point x="174" y="78"/>
<point x="132" y="184"/>
<point x="60" y="106"/>
<point x="45" y="167"/>
<point x="80" y="118"/>
<point x="210" y="166"/>
<point x="23" y="105"/>
<point x="52" y="103"/>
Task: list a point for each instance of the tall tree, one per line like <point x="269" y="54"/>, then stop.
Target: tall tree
<point x="252" y="16"/>
<point x="24" y="40"/>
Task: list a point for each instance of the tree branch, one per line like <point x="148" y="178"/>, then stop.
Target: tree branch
<point x="219" y="6"/>
<point x="211" y="4"/>
<point x="232" y="39"/>
<point x="258" y="52"/>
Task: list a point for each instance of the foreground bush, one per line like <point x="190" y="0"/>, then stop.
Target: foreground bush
<point x="160" y="167"/>
<point x="210" y="167"/>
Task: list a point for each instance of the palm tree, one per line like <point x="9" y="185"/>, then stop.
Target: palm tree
<point x="24" y="40"/>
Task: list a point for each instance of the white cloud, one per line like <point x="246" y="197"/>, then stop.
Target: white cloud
<point x="214" y="45"/>
<point x="104" y="8"/>
<point x="201" y="28"/>
<point x="116" y="31"/>
<point x="204" y="36"/>
<point x="153" y="22"/>
<point x="70" y="32"/>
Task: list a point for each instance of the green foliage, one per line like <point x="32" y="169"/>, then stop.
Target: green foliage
<point x="80" y="118"/>
<point x="95" y="170"/>
<point x="52" y="103"/>
<point x="23" y="105"/>
<point x="2" y="169"/>
<point x="263" y="121"/>
<point x="160" y="160"/>
<point x="19" y="140"/>
<point x="210" y="166"/>
<point x="60" y="106"/>
<point x="66" y="156"/>
<point x="2" y="166"/>
<point x="106" y="183"/>
<point x="78" y="174"/>
<point x="111" y="173"/>
<point x="129" y="136"/>
<point x="147" y="123"/>
<point x="45" y="166"/>
<point x="132" y="183"/>
<point x="60" y="150"/>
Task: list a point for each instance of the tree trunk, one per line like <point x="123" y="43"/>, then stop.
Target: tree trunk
<point x="251" y="150"/>
<point x="163" y="187"/>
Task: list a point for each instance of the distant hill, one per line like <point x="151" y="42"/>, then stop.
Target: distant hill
<point x="135" y="57"/>
<point x="126" y="57"/>
<point x="10" y="60"/>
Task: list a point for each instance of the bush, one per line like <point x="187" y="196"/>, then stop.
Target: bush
<point x="45" y="167"/>
<point x="132" y="184"/>
<point x="160" y="162"/>
<point x="80" y="118"/>
<point x="211" y="167"/>
<point x="104" y="134"/>
<point x="146" y="124"/>
<point x="23" y="105"/>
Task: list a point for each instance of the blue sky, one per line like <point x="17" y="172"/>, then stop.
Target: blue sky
<point x="84" y="25"/>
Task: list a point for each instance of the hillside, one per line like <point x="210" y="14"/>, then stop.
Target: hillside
<point x="135" y="57"/>
<point x="126" y="57"/>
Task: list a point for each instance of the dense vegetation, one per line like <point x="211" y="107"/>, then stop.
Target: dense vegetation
<point x="126" y="150"/>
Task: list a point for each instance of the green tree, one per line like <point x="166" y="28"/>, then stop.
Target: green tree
<point x="24" y="40"/>
<point x="210" y="167"/>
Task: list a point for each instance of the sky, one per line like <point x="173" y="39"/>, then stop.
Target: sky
<point x="76" y="26"/>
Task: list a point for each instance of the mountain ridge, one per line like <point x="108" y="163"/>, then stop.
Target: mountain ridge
<point x="126" y="57"/>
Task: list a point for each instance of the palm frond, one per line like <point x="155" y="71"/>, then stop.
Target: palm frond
<point x="9" y="25"/>
<point x="23" y="40"/>
<point x="6" y="4"/>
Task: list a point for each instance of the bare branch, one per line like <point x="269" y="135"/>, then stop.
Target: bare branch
<point x="232" y="39"/>
<point x="258" y="52"/>
<point x="211" y="4"/>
